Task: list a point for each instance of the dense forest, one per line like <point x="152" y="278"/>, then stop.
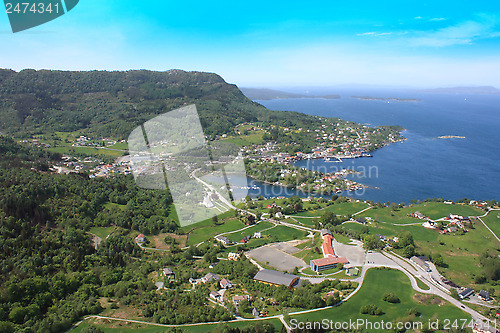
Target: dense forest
<point x="111" y="104"/>
<point x="51" y="275"/>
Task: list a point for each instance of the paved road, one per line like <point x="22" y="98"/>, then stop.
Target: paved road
<point x="361" y="211"/>
<point x="375" y="259"/>
<point x="173" y="325"/>
<point x="211" y="188"/>
<point x="434" y="288"/>
<point x="498" y="239"/>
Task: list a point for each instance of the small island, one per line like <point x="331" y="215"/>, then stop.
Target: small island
<point x="394" y="99"/>
<point x="451" y="137"/>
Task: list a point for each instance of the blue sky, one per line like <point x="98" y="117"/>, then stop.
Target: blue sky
<point x="273" y="43"/>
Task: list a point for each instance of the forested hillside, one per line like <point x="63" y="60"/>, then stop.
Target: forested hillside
<point x="50" y="274"/>
<point x="111" y="104"/>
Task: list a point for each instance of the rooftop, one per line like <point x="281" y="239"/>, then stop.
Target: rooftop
<point x="327" y="245"/>
<point x="168" y="271"/>
<point x="466" y="292"/>
<point x="275" y="277"/>
<point x="325" y="232"/>
<point x="330" y="261"/>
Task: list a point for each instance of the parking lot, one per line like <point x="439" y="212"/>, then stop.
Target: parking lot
<point x="271" y="256"/>
<point x="354" y="253"/>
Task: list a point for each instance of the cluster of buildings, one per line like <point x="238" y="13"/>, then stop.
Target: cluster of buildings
<point x="233" y="256"/>
<point x="451" y="223"/>
<point x="463" y="293"/>
<point x="330" y="259"/>
<point x="209" y="277"/>
<point x="36" y="143"/>
<point x="168" y="274"/>
<point x="335" y="181"/>
<point x="140" y="238"/>
<point x="482" y="204"/>
<point x="218" y="296"/>
<point x="335" y="142"/>
<point x="105" y="170"/>
<point x="84" y="141"/>
<point x="419" y="215"/>
<point x="226" y="241"/>
<point x="95" y="167"/>
<point x="455" y="222"/>
<point x="422" y="262"/>
<point x="387" y="240"/>
<point x="224" y="285"/>
<point x="468" y="292"/>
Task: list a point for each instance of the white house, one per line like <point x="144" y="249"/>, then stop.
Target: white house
<point x="215" y="295"/>
<point x="225" y="284"/>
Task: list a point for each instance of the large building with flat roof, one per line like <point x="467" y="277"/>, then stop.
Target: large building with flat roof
<point x="276" y="278"/>
<point x="327" y="263"/>
<point x="330" y="260"/>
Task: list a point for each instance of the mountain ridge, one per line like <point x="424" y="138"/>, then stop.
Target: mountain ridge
<point x="103" y="103"/>
<point x="479" y="90"/>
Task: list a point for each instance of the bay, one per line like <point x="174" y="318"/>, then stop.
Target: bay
<point x="424" y="166"/>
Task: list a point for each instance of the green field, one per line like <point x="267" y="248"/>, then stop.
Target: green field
<point x="342" y="239"/>
<point x="122" y="327"/>
<point x="119" y="145"/>
<point x="89" y="151"/>
<point x="237" y="236"/>
<point x="102" y="232"/>
<point x="205" y="223"/>
<point x="376" y="284"/>
<point x="308" y="253"/>
<point x="389" y="230"/>
<point x="245" y="140"/>
<point x="433" y="210"/>
<point x="204" y="233"/>
<point x="345" y="208"/>
<point x="112" y="205"/>
<point x="283" y="233"/>
<point x="492" y="220"/>
<point x="305" y="204"/>
<point x="436" y="210"/>
<point x="422" y="285"/>
<point x="461" y="253"/>
<point x="308" y="222"/>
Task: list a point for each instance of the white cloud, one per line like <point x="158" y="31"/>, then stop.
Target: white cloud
<point x="366" y="33"/>
<point x="462" y="33"/>
<point x="328" y="65"/>
<point x="374" y="34"/>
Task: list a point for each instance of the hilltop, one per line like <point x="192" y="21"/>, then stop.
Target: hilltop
<point x="111" y="104"/>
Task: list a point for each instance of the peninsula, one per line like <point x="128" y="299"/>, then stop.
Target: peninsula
<point x="268" y="94"/>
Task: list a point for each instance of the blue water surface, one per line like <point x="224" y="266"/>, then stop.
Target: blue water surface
<point x="423" y="166"/>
